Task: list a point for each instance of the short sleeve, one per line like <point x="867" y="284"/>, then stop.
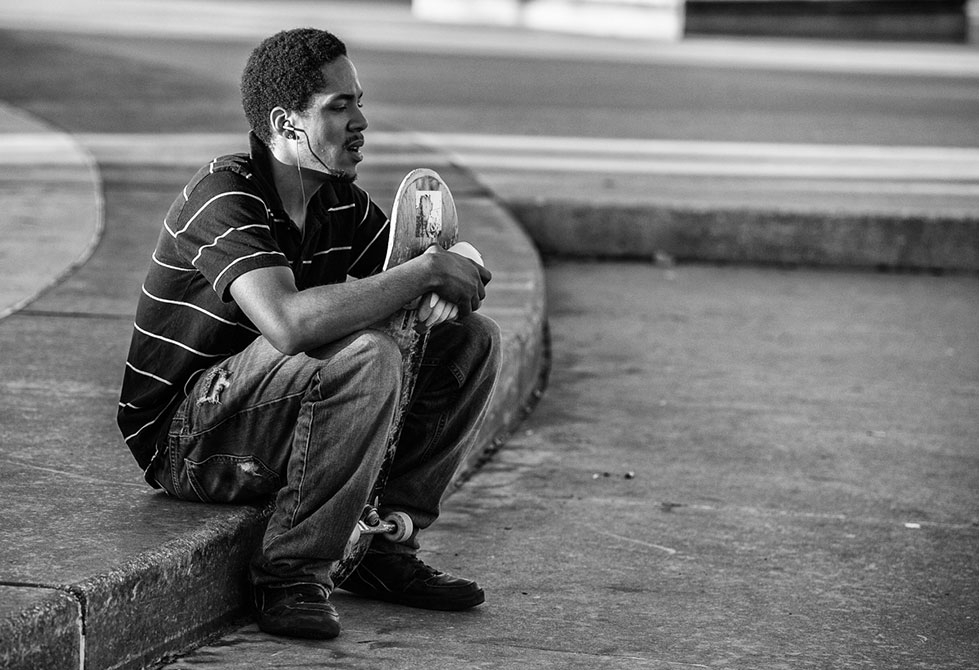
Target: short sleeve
<point x="223" y="231"/>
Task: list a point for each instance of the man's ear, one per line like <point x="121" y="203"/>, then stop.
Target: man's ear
<point x="280" y="123"/>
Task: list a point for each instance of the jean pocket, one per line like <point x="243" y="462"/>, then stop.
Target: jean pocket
<point x="226" y="478"/>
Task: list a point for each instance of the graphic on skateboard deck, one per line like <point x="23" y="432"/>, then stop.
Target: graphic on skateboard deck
<point x="423" y="214"/>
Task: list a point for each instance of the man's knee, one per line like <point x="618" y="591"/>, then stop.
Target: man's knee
<point x="485" y="336"/>
<point x="472" y="344"/>
<point x="484" y="331"/>
<point x="375" y="353"/>
<point x="370" y="356"/>
<point x="376" y="346"/>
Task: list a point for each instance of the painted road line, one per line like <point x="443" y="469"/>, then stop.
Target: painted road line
<point x="836" y="168"/>
<point x="163" y="146"/>
<point x="703" y="159"/>
<point x="41" y="149"/>
<point x="619" y="146"/>
<point x="954" y="166"/>
<point x="196" y="149"/>
<point x="788" y="168"/>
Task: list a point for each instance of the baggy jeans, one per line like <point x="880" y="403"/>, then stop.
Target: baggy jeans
<point x="312" y="429"/>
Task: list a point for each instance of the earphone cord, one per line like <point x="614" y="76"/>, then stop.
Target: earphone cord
<point x="330" y="171"/>
<point x="302" y="187"/>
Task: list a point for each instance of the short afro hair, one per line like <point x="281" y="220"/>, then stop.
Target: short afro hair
<point x="284" y="71"/>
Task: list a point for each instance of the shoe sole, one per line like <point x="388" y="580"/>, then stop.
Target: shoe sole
<point x="441" y="604"/>
<point x="327" y="632"/>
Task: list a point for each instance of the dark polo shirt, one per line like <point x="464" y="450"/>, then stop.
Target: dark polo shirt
<point x="227" y="221"/>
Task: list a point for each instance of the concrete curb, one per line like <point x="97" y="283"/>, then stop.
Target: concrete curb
<point x="833" y="239"/>
<point x="171" y="598"/>
<point x="40" y="627"/>
<point x="55" y="174"/>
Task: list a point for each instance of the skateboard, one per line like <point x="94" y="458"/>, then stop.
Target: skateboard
<point x="423" y="214"/>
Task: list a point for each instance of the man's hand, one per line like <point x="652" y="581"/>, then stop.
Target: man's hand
<point x="434" y="309"/>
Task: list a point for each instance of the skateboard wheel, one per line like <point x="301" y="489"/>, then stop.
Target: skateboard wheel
<point x="403" y="527"/>
<point x="354" y="536"/>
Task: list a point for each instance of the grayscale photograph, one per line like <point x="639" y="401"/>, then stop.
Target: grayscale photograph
<point x="489" y="334"/>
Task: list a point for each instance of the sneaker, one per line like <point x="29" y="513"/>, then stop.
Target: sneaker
<point x="406" y="580"/>
<point x="296" y="610"/>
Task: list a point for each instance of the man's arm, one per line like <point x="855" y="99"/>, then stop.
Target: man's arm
<point x="295" y="321"/>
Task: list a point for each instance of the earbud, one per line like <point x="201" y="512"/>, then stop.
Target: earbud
<point x="290" y="130"/>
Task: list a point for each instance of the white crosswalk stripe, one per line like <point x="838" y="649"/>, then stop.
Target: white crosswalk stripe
<point x="954" y="169"/>
<point x="932" y="170"/>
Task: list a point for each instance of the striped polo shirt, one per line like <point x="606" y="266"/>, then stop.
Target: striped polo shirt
<point x="227" y="221"/>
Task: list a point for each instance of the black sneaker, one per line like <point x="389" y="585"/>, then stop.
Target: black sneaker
<point x="405" y="580"/>
<point x="296" y="610"/>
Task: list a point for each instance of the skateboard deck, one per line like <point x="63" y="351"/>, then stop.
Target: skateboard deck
<point x="423" y="214"/>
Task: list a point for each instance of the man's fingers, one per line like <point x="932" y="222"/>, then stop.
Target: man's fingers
<point x="427" y="302"/>
<point x="438" y="312"/>
<point x="443" y="311"/>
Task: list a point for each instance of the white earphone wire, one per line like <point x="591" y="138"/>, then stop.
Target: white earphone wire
<point x="302" y="187"/>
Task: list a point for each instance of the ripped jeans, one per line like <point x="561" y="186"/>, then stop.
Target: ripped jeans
<point x="311" y="429"/>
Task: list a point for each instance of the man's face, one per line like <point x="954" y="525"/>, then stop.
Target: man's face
<point x="334" y="123"/>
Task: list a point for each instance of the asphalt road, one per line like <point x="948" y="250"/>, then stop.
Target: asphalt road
<point x="190" y="85"/>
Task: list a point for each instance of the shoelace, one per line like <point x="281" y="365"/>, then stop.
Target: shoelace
<point x="418" y="566"/>
<point x="407" y="566"/>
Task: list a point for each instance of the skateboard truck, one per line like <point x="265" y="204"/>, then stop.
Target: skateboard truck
<point x="395" y="526"/>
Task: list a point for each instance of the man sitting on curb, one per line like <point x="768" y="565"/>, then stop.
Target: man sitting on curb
<point x="253" y="372"/>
